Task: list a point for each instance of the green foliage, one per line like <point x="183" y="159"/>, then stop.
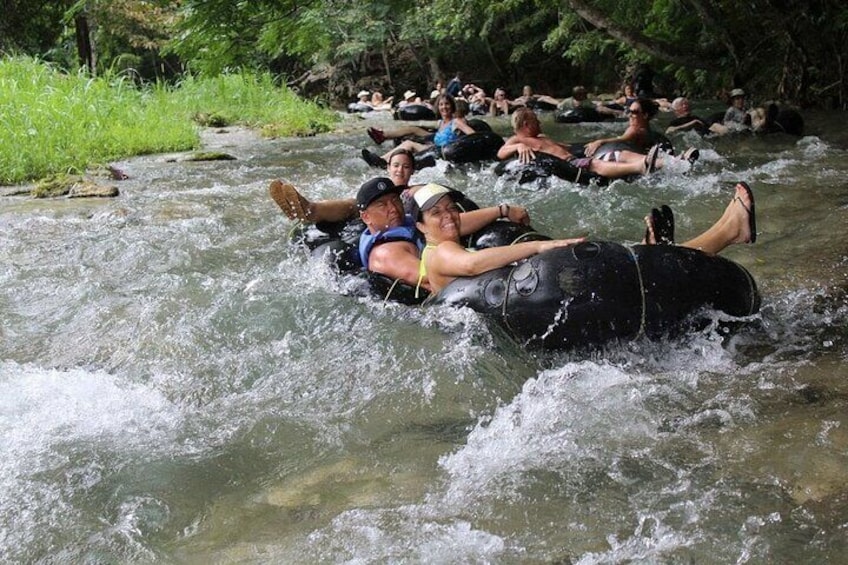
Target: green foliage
<point x="252" y="100"/>
<point x="586" y="46"/>
<point x="307" y="36"/>
<point x="54" y="122"/>
<point x="216" y="35"/>
<point x="57" y="122"/>
<point x="795" y="50"/>
<point x="30" y="27"/>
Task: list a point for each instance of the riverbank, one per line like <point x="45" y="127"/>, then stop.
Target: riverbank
<point x="82" y="121"/>
<point x="212" y="144"/>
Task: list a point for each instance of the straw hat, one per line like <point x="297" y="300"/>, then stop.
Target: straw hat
<point x="435" y="94"/>
<point x="408" y="94"/>
<point x="363" y="93"/>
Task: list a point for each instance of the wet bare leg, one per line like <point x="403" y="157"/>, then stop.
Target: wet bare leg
<point x="409" y="145"/>
<point x="297" y="207"/>
<point x="628" y="163"/>
<point x="403" y="131"/>
<point x="733" y="227"/>
<point x="612" y="169"/>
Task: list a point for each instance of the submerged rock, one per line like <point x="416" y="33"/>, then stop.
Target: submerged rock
<point x="201" y="156"/>
<point x="210" y="156"/>
<point x="89" y="189"/>
<point x="72" y="186"/>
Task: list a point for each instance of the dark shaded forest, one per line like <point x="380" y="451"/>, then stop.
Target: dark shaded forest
<point x="796" y="52"/>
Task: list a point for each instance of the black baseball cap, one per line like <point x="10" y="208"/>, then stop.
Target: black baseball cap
<point x="374" y="189"/>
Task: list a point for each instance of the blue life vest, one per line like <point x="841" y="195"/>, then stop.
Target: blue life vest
<point x="405" y="232"/>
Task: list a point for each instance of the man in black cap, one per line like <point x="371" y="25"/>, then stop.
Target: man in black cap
<point x="390" y="244"/>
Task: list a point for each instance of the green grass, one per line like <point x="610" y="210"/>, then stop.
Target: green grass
<point x="53" y="122"/>
<point x="254" y="101"/>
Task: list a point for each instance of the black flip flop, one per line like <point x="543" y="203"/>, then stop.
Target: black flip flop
<point x="373" y="159"/>
<point x="651" y="159"/>
<point x="668" y="223"/>
<point x="663" y="226"/>
<point x="752" y="211"/>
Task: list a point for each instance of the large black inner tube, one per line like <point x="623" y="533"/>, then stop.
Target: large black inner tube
<point x="656" y="138"/>
<point x="415" y="112"/>
<point x="502" y="233"/>
<point x="359" y="108"/>
<point x="579" y="115"/>
<point x="597" y="291"/>
<point x="678" y="281"/>
<point x="546" y="165"/>
<point x="470" y="148"/>
<point x="581" y="295"/>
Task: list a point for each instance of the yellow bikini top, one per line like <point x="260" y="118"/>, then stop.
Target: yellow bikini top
<point x="422" y="267"/>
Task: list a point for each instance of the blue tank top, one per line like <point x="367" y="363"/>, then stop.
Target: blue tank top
<point x="446" y="135"/>
<point x="405" y="232"/>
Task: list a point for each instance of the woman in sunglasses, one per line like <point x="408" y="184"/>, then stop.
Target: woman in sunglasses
<point x="638" y="136"/>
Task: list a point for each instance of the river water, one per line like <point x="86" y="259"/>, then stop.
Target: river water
<point x="180" y="384"/>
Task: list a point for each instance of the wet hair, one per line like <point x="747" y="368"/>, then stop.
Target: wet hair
<point x="402" y="151"/>
<point x="648" y="106"/>
<point x="450" y="100"/>
<point x="678" y="102"/>
<point x="461" y="108"/>
<point x="520" y="117"/>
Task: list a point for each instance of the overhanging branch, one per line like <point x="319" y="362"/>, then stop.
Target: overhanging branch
<point x="638" y="41"/>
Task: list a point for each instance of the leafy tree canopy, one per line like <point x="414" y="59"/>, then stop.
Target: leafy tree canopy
<point x="793" y="50"/>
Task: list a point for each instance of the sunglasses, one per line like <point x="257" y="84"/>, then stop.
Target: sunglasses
<point x="636" y="112"/>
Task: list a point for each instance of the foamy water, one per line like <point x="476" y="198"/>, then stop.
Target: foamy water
<point x="179" y="383"/>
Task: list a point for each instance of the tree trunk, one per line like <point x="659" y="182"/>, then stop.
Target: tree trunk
<point x="84" y="47"/>
<point x="388" y="67"/>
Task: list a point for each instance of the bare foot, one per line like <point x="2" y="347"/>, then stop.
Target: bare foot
<point x="741" y="214"/>
<point x="650" y="237"/>
<point x="290" y="201"/>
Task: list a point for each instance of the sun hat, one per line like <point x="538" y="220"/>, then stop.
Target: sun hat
<point x="408" y="94"/>
<point x="434" y="94"/>
<point x="427" y="196"/>
<point x="363" y="93"/>
<point x="736" y="92"/>
<point x="374" y="189"/>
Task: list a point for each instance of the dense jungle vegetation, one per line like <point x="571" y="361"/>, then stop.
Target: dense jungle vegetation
<point x="329" y="49"/>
